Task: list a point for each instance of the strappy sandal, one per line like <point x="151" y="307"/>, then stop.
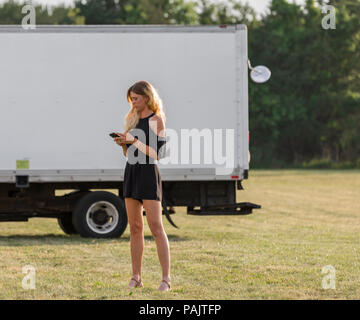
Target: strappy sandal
<point x="138" y="283"/>
<point x="168" y="284"/>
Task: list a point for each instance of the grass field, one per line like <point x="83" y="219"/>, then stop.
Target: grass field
<point x="309" y="219"/>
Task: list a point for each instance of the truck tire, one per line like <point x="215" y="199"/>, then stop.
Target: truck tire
<point x="66" y="225"/>
<point x="100" y="214"/>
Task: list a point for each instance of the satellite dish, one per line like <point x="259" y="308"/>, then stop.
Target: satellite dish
<point x="259" y="74"/>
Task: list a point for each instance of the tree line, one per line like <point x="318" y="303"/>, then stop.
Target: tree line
<point x="308" y="113"/>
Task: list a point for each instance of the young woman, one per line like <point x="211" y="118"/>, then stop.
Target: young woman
<point x="142" y="181"/>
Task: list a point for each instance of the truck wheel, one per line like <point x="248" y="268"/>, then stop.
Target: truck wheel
<point x="66" y="225"/>
<point x="100" y="214"/>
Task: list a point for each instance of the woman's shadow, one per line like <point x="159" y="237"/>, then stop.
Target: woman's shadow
<point x="63" y="239"/>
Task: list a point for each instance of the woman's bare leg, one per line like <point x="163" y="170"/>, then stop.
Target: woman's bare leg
<point x="134" y="211"/>
<point x="154" y="218"/>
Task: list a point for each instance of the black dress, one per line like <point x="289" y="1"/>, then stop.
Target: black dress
<point x="142" y="179"/>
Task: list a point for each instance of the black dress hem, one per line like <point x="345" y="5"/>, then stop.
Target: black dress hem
<point x="141" y="199"/>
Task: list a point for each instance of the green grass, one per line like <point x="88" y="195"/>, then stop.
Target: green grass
<point x="309" y="219"/>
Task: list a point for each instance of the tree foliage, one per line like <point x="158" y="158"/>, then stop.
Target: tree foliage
<point x="310" y="107"/>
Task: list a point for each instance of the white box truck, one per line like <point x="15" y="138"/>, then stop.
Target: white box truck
<point x="63" y="90"/>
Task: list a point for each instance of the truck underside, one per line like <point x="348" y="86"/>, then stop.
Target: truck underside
<point x="103" y="213"/>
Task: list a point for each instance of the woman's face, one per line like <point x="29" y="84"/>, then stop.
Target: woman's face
<point x="139" y="101"/>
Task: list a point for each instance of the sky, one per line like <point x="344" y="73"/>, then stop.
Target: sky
<point x="259" y="5"/>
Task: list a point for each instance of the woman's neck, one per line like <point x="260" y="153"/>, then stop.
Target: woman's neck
<point x="145" y="113"/>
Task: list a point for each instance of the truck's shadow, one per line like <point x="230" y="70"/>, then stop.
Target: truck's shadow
<point x="60" y="240"/>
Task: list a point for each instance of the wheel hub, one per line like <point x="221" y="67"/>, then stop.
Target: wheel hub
<point x="100" y="217"/>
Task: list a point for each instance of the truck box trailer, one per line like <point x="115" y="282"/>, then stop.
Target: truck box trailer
<point x="63" y="90"/>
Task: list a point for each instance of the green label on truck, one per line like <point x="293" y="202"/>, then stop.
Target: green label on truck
<point x="22" y="164"/>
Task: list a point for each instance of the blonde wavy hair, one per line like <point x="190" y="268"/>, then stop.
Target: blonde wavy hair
<point x="154" y="103"/>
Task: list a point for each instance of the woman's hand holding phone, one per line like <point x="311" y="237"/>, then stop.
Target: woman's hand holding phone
<point x="123" y="139"/>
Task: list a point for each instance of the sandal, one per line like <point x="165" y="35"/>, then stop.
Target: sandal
<point x="138" y="283"/>
<point x="168" y="284"/>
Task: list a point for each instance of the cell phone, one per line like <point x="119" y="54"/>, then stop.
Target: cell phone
<point x="113" y="135"/>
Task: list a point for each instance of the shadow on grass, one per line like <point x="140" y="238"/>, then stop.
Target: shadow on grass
<point x="59" y="239"/>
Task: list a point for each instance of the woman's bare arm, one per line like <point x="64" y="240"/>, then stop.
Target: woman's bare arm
<point x="124" y="147"/>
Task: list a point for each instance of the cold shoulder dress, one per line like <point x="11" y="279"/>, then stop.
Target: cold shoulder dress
<point x="142" y="180"/>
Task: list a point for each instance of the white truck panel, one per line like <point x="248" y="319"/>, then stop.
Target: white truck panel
<point x="63" y="90"/>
